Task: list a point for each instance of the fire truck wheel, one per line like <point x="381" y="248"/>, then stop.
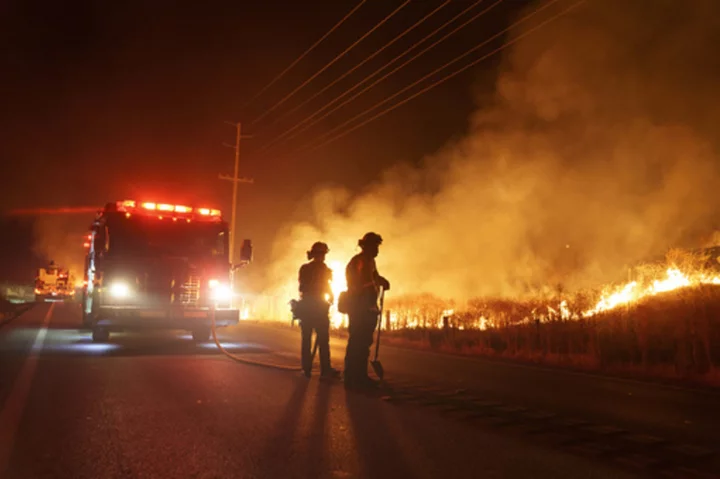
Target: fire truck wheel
<point x="100" y="335"/>
<point x="201" y="335"/>
<point x="87" y="318"/>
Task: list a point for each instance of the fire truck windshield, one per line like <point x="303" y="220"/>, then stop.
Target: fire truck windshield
<point x="147" y="236"/>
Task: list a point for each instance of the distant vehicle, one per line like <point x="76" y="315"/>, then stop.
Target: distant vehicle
<point x="158" y="266"/>
<point x="53" y="283"/>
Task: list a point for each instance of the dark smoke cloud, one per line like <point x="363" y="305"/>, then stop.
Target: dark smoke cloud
<point x="599" y="148"/>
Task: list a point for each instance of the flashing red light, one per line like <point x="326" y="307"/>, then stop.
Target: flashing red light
<point x="209" y="212"/>
<point x="129" y="206"/>
<point x="86" y="244"/>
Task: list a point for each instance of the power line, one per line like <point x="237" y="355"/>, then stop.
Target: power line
<point x="297" y="60"/>
<point x="456" y="59"/>
<point x="447" y="77"/>
<point x="367" y="59"/>
<point x="338" y="57"/>
<point x="383" y="67"/>
<point x="390" y="63"/>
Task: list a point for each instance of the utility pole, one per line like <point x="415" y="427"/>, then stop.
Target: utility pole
<point x="235" y="180"/>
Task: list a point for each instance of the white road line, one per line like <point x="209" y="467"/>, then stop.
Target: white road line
<point x="14" y="406"/>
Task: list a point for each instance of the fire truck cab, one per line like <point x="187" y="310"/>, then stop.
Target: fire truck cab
<point x="158" y="266"/>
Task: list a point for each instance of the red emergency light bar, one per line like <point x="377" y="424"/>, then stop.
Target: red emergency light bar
<point x="131" y="206"/>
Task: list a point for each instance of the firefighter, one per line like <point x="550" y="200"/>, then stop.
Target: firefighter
<point x="316" y="296"/>
<point x="363" y="287"/>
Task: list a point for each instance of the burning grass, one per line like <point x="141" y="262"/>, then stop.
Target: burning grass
<point x="669" y="334"/>
<point x="663" y="321"/>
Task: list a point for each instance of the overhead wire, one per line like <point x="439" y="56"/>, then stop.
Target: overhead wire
<point x="298" y="128"/>
<point x="332" y="62"/>
<point x="312" y="147"/>
<point x="297" y="60"/>
<point x="367" y="59"/>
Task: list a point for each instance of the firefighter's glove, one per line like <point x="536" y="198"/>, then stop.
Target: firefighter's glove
<point x="385" y="284"/>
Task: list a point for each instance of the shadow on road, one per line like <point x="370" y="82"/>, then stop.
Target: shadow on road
<point x="66" y="338"/>
<point x="318" y="434"/>
<point x="280" y="445"/>
<point x="378" y="450"/>
<point x="145" y="347"/>
<point x="62" y="341"/>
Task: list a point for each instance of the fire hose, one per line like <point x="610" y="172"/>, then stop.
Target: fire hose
<point x="251" y="362"/>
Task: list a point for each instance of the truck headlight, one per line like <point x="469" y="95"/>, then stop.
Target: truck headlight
<point x="219" y="291"/>
<point x="119" y="290"/>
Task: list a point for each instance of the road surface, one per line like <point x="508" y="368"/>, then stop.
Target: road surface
<point x="160" y="405"/>
<point x="683" y="414"/>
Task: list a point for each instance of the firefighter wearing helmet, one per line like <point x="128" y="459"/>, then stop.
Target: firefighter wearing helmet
<point x="364" y="283"/>
<point x="316" y="296"/>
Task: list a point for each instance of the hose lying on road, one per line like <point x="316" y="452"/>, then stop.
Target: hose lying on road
<point x="239" y="359"/>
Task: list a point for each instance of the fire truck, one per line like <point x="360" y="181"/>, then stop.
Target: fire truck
<point x="158" y="266"/>
<point x="53" y="283"/>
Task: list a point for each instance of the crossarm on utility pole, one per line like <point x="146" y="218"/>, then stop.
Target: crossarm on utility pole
<point x="239" y="180"/>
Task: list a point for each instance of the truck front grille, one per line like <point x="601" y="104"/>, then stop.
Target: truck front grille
<point x="191" y="291"/>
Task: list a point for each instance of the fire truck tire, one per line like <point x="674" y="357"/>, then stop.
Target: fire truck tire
<point x="201" y="335"/>
<point x="87" y="319"/>
<point x="100" y="335"/>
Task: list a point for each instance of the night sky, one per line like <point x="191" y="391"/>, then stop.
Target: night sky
<point x="110" y="100"/>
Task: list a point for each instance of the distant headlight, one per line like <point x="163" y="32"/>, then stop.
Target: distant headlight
<point x="119" y="290"/>
<point x="219" y="291"/>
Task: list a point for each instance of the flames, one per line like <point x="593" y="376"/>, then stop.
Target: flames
<point x="632" y="292"/>
<point x="338" y="285"/>
<point x="427" y="311"/>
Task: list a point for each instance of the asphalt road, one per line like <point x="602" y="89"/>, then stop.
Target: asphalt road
<point x="681" y="414"/>
<point x="160" y="405"/>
